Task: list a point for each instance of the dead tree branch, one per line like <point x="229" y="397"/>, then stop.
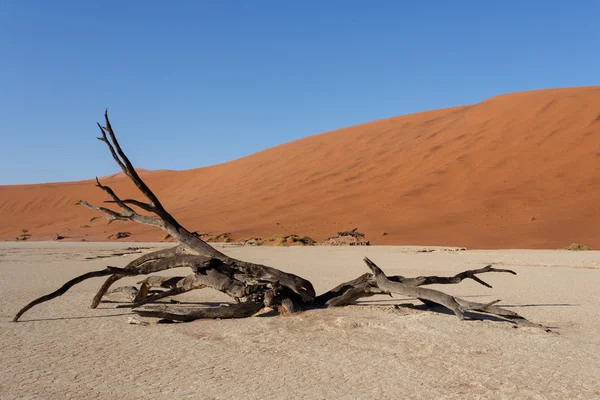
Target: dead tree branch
<point x="457" y="305"/>
<point x="366" y="285"/>
<point x="63" y="289"/>
<point x="470" y="274"/>
<point x="186" y="314"/>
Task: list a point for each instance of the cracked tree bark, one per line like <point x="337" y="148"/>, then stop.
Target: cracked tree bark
<point x="252" y="286"/>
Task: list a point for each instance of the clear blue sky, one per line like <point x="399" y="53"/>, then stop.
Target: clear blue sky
<point x="195" y="83"/>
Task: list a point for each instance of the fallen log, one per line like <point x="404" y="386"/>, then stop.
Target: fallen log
<point x="252" y="286"/>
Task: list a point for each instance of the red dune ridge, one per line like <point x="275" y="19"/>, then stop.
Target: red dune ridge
<point x="515" y="171"/>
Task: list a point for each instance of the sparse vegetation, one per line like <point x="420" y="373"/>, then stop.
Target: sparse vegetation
<point x="347" y="238"/>
<point x="255" y="241"/>
<point x="224" y="237"/>
<point x="24" y="235"/>
<point x="119" y="235"/>
<point x="289" y="240"/>
<point x="577" y="247"/>
<point x="59" y="237"/>
<point x="354" y="233"/>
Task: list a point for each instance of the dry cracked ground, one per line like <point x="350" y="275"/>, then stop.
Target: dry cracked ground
<point x="379" y="348"/>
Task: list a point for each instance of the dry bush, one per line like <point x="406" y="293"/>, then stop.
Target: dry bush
<point x="24" y="235"/>
<point x="254" y="241"/>
<point x="119" y="235"/>
<point x="577" y="247"/>
<point x="224" y="237"/>
<point x="289" y="240"/>
<point x="347" y="238"/>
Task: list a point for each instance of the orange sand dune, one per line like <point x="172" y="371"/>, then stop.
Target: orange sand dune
<point x="515" y="171"/>
<point x="142" y="172"/>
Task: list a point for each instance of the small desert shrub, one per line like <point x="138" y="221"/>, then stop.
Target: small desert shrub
<point x="119" y="235"/>
<point x="24" y="235"/>
<point x="577" y="247"/>
<point x="221" y="237"/>
<point x="252" y="241"/>
<point x="353" y="233"/>
<point x="300" y="240"/>
<point x="348" y="238"/>
<point x="276" y="240"/>
<point x="290" y="240"/>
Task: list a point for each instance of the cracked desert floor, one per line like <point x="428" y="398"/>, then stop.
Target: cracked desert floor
<point x="377" y="349"/>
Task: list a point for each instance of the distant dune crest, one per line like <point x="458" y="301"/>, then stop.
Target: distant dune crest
<point x="143" y="172"/>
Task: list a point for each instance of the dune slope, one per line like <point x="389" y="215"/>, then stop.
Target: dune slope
<point x="514" y="171"/>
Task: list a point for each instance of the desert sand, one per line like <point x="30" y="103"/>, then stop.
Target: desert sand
<point x="378" y="348"/>
<point x="515" y="171"/>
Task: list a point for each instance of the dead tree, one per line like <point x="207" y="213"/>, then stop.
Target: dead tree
<point x="252" y="286"/>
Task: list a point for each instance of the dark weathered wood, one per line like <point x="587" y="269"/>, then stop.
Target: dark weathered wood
<point x="64" y="288"/>
<point x="348" y="292"/>
<point x="140" y="296"/>
<point x="209" y="277"/>
<point x="365" y="285"/>
<point x="141" y="268"/>
<point x="153" y="256"/>
<point x="457" y="305"/>
<point x="414" y="291"/>
<point x="166" y="282"/>
<point x="244" y="271"/>
<point x="104" y="289"/>
<point x="363" y="280"/>
<point x="186" y="314"/>
<point x="137" y="302"/>
<point x="491" y="308"/>
<point x="122" y="293"/>
<point x="445" y="280"/>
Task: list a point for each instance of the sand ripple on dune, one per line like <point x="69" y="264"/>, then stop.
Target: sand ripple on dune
<point x="519" y="170"/>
